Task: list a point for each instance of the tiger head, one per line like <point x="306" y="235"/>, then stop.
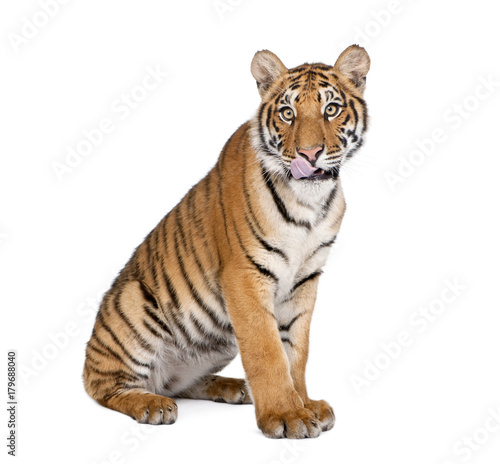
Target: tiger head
<point x="312" y="118"/>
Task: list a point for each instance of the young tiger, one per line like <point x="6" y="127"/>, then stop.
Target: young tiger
<point x="235" y="265"/>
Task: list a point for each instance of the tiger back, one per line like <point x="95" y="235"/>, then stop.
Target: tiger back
<point x="234" y="267"/>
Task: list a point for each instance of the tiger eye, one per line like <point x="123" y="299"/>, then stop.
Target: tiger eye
<point x="287" y="114"/>
<point x="332" y="110"/>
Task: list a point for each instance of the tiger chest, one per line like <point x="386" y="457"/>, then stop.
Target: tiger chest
<point x="304" y="257"/>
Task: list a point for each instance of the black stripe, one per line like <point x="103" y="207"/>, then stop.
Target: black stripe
<point x="287" y="340"/>
<point x="276" y="128"/>
<point x="105" y="302"/>
<point x="96" y="383"/>
<point x="97" y="350"/>
<point x="365" y="112"/>
<point x="322" y="67"/>
<point x="208" y="195"/>
<point x="149" y="255"/>
<point x="322" y="245"/>
<point x="287" y="327"/>
<point x="248" y="201"/>
<point x="147" y="294"/>
<point x="352" y="136"/>
<point x="269" y="114"/>
<point x="321" y="75"/>
<point x="198" y="222"/>
<point x="221" y="203"/>
<point x="193" y="213"/>
<point x="91" y="359"/>
<point x="157" y="320"/>
<point x="264" y="271"/>
<point x="194" y="293"/>
<point x="280" y="204"/>
<point x="264" y="147"/>
<point x="124" y="388"/>
<point x="135" y="269"/>
<point x="117" y="373"/>
<point x="266" y="245"/>
<point x="325" y="207"/>
<point x="351" y="152"/>
<point x="306" y="279"/>
<point x="179" y="226"/>
<point x="171" y="290"/>
<point x="279" y="96"/>
<point x="142" y="341"/>
<point x="356" y="117"/>
<point x="299" y="69"/>
<point x="152" y="329"/>
<point x="342" y="93"/>
<point x="191" y="204"/>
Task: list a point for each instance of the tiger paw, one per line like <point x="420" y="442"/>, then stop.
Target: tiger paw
<point x="299" y="423"/>
<point x="147" y="408"/>
<point x="156" y="410"/>
<point x="323" y="412"/>
<point x="228" y="390"/>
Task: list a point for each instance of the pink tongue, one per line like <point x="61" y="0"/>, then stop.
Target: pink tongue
<point x="301" y="168"/>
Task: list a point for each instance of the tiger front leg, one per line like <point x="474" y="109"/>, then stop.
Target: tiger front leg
<point x="279" y="408"/>
<point x="294" y="331"/>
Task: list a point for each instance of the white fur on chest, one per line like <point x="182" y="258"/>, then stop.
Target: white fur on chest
<point x="299" y="246"/>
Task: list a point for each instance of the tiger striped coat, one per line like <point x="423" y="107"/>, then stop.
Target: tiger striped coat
<point x="235" y="265"/>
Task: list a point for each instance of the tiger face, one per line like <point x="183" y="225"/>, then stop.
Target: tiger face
<point x="312" y="118"/>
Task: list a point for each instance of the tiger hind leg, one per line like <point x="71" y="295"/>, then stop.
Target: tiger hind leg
<point x="121" y="356"/>
<point x="219" y="389"/>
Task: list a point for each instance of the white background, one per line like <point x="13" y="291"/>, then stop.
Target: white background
<point x="63" y="241"/>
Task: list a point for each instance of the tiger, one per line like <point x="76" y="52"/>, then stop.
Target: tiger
<point x="234" y="266"/>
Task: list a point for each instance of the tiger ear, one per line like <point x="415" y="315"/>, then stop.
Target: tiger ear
<point x="354" y="63"/>
<point x="266" y="68"/>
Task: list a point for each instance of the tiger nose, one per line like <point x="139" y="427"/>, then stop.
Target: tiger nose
<point x="312" y="154"/>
